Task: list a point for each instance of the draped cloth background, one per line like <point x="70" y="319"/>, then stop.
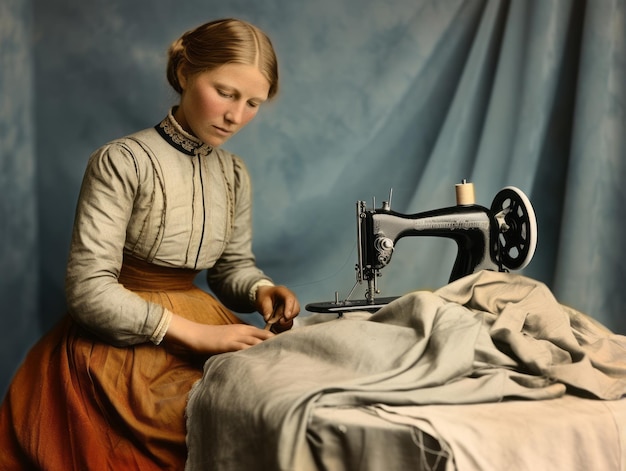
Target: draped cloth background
<point x="409" y="95"/>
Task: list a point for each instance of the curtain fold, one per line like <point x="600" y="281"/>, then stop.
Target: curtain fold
<point x="18" y="189"/>
<point x="591" y="267"/>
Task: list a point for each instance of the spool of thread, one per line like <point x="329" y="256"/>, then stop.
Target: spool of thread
<point x="465" y="193"/>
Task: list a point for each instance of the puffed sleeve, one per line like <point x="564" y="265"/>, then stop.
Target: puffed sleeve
<point x="95" y="298"/>
<point x="235" y="272"/>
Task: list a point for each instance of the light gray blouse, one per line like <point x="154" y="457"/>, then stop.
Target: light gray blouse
<point x="163" y="196"/>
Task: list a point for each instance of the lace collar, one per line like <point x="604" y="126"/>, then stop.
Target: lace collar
<point x="177" y="137"/>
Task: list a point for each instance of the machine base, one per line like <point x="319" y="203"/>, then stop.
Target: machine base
<point x="332" y="307"/>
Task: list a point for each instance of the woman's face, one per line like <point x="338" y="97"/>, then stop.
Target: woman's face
<point x="216" y="104"/>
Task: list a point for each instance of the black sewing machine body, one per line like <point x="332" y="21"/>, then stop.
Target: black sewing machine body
<point x="500" y="238"/>
<point x="472" y="227"/>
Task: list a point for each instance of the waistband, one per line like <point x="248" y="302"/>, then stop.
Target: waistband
<point x="139" y="275"/>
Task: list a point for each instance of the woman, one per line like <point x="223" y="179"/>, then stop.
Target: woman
<point x="107" y="388"/>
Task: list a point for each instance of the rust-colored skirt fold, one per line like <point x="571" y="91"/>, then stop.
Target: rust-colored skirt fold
<point x="78" y="403"/>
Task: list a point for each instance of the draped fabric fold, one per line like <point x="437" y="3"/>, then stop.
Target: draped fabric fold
<point x="486" y="338"/>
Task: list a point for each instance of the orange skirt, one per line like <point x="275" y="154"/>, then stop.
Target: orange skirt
<point x="78" y="403"/>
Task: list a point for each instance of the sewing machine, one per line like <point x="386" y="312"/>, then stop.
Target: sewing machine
<point x="500" y="238"/>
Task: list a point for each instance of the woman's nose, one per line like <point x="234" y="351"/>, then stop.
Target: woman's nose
<point x="235" y="113"/>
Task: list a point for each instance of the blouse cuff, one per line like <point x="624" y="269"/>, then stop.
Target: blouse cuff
<point x="159" y="332"/>
<point x="255" y="287"/>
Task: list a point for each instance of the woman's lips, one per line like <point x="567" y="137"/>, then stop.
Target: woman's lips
<point x="223" y="131"/>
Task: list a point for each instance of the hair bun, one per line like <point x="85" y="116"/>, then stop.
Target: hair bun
<point x="175" y="54"/>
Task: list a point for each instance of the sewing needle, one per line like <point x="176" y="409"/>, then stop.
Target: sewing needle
<point x="274" y="318"/>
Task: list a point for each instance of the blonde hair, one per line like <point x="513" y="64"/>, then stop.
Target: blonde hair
<point x="220" y="42"/>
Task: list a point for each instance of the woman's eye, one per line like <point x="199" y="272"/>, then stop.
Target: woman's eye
<point x="224" y="94"/>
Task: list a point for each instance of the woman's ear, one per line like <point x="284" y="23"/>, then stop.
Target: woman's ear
<point x="182" y="77"/>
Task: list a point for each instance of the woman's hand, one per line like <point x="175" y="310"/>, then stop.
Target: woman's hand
<point x="211" y="339"/>
<point x="277" y="301"/>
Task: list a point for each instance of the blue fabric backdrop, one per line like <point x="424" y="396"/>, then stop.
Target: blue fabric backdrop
<point x="409" y="95"/>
